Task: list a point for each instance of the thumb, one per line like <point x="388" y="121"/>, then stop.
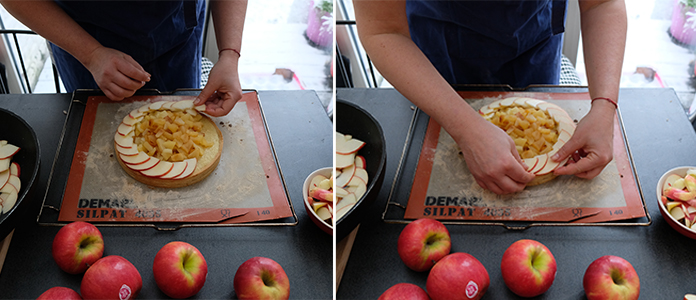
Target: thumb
<point x="205" y="94"/>
<point x="566" y="150"/>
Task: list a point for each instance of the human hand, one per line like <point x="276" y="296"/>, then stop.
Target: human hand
<point x="492" y="158"/>
<point x="117" y="74"/>
<point x="591" y="147"/>
<point x="223" y="89"/>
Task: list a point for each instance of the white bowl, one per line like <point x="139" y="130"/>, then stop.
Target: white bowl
<point x="326" y="227"/>
<point x="678" y="226"/>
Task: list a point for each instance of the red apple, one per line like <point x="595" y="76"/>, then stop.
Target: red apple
<point x="457" y="276"/>
<point x="528" y="268"/>
<point x="261" y="278"/>
<point x="404" y="291"/>
<point x="112" y="277"/>
<point x="59" y="293"/>
<point x="180" y="270"/>
<point x="76" y="246"/>
<point x="611" y="277"/>
<point x="422" y="243"/>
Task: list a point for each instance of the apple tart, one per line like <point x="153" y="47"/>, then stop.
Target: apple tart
<point x="168" y="144"/>
<point x="538" y="128"/>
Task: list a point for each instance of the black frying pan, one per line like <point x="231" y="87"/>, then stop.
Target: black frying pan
<point x="17" y="132"/>
<point x="352" y="119"/>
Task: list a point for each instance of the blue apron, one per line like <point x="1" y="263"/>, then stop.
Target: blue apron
<point x="490" y="42"/>
<point x="164" y="37"/>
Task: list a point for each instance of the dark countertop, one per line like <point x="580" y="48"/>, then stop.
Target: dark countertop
<point x="660" y="137"/>
<point x="303" y="140"/>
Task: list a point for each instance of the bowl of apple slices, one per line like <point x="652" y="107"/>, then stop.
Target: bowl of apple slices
<point x="19" y="167"/>
<point x="676" y="196"/>
<point x="319" y="198"/>
<point x="360" y="161"/>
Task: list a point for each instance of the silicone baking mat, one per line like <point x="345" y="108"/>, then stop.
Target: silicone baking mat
<point x="440" y="186"/>
<point x="246" y="186"/>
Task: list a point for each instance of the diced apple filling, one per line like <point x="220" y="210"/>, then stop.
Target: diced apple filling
<point x="171" y="135"/>
<point x="533" y="130"/>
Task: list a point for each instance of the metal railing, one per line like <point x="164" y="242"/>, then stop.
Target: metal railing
<point x="14" y="33"/>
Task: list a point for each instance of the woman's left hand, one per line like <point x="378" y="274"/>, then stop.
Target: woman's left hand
<point x="591" y="147"/>
<point x="223" y="89"/>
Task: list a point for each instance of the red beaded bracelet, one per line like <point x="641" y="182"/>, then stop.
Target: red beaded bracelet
<point x="232" y="49"/>
<point x="603" y="98"/>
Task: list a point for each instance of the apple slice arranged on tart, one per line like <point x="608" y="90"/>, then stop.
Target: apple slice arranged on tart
<point x="168" y="144"/>
<point x="538" y="128"/>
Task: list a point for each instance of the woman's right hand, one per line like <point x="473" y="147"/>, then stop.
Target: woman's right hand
<point x="492" y="158"/>
<point x="117" y="74"/>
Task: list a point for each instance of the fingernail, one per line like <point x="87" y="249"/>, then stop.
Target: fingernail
<point x="555" y="156"/>
<point x="197" y="101"/>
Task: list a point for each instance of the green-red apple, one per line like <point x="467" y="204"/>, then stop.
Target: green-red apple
<point x="611" y="277"/>
<point x="528" y="268"/>
<point x="180" y="270"/>
<point x="111" y="277"/>
<point x="404" y="291"/>
<point x="59" y="293"/>
<point x="457" y="276"/>
<point x="422" y="243"/>
<point x="76" y="246"/>
<point x="261" y="278"/>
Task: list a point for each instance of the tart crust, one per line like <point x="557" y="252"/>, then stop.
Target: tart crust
<point x="541" y="165"/>
<point x="179" y="174"/>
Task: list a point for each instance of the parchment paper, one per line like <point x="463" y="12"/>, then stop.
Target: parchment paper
<point x="238" y="181"/>
<point x="450" y="176"/>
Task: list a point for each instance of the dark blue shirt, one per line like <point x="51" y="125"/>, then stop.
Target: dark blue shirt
<point x="490" y="42"/>
<point x="164" y="37"/>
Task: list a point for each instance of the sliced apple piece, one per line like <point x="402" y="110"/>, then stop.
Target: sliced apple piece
<point x="326" y="184"/>
<point x="677" y="194"/>
<point x="677" y="213"/>
<point x="140" y="158"/>
<point x="3" y="142"/>
<point x="318" y="204"/>
<point x="182" y="105"/>
<point x="346" y="176"/>
<point x="345" y="205"/>
<point x="531" y="162"/>
<point x="8" y="196"/>
<point x="5" y="164"/>
<point x="362" y="173"/>
<point x="159" y="170"/>
<point x="345" y="160"/>
<point x="672" y="204"/>
<point x="155" y="105"/>
<point x="130" y="151"/>
<point x="323" y="213"/>
<point x="543" y="160"/>
<point x="128" y="120"/>
<point x="315" y="182"/>
<point x="144" y="109"/>
<point x="135" y="114"/>
<point x="358" y="189"/>
<point x="124" y="141"/>
<point x="149" y="164"/>
<point x="178" y="168"/>
<point x="16" y="182"/>
<point x="167" y="105"/>
<point x="347" y="146"/>
<point x="340" y="192"/>
<point x="15" y="169"/>
<point x="124" y="129"/>
<point x="360" y="161"/>
<point x="190" y="167"/>
<point x="8" y="150"/>
<point x="200" y="108"/>
<point x="4" y="178"/>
